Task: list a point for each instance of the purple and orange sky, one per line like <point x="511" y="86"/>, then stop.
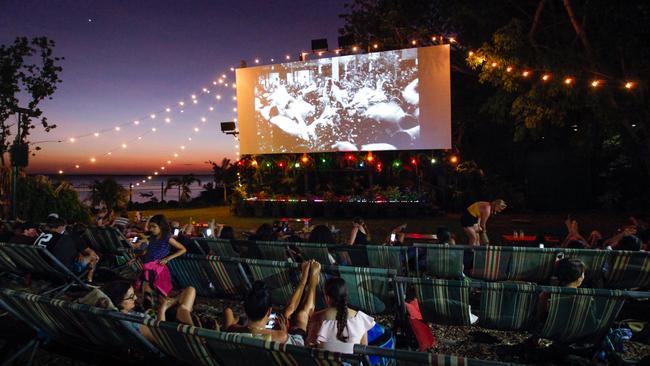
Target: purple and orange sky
<point x="125" y="60"/>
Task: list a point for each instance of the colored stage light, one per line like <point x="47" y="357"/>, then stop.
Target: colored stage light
<point x="304" y="159"/>
<point x="414" y="161"/>
<point x="281" y="164"/>
<point x="453" y="159"/>
<point x="370" y="158"/>
<point x="397" y="163"/>
<point x="254" y="163"/>
<point x="296" y="165"/>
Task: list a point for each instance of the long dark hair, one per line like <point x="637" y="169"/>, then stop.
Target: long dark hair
<point x="337" y="291"/>
<point x="116" y="291"/>
<point x="162" y="223"/>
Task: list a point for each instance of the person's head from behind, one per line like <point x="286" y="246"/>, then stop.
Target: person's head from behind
<point x="630" y="242"/>
<point x="570" y="272"/>
<point x="158" y="226"/>
<point x="265" y="232"/>
<point x="122" y="295"/>
<point x="257" y="303"/>
<point x="358" y="221"/>
<point x="577" y="244"/>
<point x="227" y="232"/>
<point x="444" y="235"/>
<point x="498" y="205"/>
<point x="336" y="296"/>
<point x="321" y="234"/>
<point x="27" y="229"/>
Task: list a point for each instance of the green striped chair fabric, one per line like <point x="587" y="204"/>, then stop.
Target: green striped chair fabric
<point x="267" y="250"/>
<point x="77" y="324"/>
<point x="508" y="306"/>
<point x="207" y="347"/>
<point x="316" y="251"/>
<point x="380" y="256"/>
<point x="443" y="301"/>
<point x="531" y="264"/>
<point x="109" y="241"/>
<point x="491" y="263"/>
<point x="577" y="314"/>
<point x="209" y="275"/>
<point x="280" y="276"/>
<point x="6" y="264"/>
<point x="372" y="290"/>
<point x="442" y="261"/>
<point x="220" y="247"/>
<point x="408" y="358"/>
<point x="628" y="270"/>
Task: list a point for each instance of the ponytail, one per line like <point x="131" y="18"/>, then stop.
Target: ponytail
<point x="337" y="291"/>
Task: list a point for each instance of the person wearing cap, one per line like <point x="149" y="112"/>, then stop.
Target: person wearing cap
<point x="72" y="252"/>
<point x="474" y="220"/>
<point x="25" y="233"/>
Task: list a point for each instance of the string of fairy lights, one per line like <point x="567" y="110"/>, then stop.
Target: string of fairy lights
<point x="475" y="58"/>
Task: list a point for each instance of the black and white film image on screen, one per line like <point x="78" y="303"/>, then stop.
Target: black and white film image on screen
<point x="356" y="102"/>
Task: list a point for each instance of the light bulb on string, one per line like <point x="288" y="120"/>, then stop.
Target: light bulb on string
<point x="117" y="128"/>
<point x="629" y="85"/>
<point x="152" y="116"/>
<point x="168" y="109"/>
<point x="96" y="134"/>
<point x="72" y="139"/>
<point x="136" y="122"/>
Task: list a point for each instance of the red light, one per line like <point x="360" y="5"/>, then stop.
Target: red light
<point x="240" y="163"/>
<point x="414" y="161"/>
<point x="281" y="164"/>
<point x="379" y="166"/>
<point x="350" y="157"/>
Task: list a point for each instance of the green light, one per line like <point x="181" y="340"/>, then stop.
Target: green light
<point x="268" y="164"/>
<point x="323" y="160"/>
<point x="397" y="163"/>
<point x="296" y="165"/>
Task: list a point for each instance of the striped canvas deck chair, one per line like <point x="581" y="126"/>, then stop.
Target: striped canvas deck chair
<point x="268" y="250"/>
<point x="78" y="325"/>
<point x="413" y="358"/>
<point x="577" y="314"/>
<point x="380" y="256"/>
<point x="628" y="270"/>
<point x="34" y="259"/>
<point x="531" y="264"/>
<point x="113" y="247"/>
<point x="371" y="290"/>
<point x="181" y="342"/>
<point x="220" y="247"/>
<point x="594" y="260"/>
<point x="280" y="277"/>
<point x="210" y="275"/>
<point x="491" y="263"/>
<point x="442" y="261"/>
<point x="441" y="301"/>
<point x="508" y="306"/>
<point x="6" y="264"/>
<point x="239" y="349"/>
<point x="316" y="251"/>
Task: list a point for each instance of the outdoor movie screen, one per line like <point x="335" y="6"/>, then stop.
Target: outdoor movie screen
<point x="393" y="100"/>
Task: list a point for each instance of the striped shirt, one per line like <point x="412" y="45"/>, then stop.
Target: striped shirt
<point x="157" y="249"/>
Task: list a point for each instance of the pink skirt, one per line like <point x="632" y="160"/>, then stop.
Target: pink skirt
<point x="162" y="279"/>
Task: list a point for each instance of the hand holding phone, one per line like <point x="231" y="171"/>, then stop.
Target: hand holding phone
<point x="177" y="231"/>
<point x="271" y="323"/>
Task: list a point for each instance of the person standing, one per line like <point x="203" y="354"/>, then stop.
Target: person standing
<point x="474" y="220"/>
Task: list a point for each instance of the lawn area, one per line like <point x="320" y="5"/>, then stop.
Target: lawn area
<point x="504" y="223"/>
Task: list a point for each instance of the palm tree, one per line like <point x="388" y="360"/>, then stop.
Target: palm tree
<point x="224" y="175"/>
<point x="183" y="183"/>
<point x="109" y="191"/>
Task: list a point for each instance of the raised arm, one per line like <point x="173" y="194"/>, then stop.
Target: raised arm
<point x="180" y="250"/>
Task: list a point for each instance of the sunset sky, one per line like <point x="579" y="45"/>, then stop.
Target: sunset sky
<point x="125" y="60"/>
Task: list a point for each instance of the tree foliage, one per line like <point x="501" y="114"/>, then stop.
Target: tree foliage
<point x="109" y="191"/>
<point x="183" y="183"/>
<point x="39" y="197"/>
<point x="29" y="73"/>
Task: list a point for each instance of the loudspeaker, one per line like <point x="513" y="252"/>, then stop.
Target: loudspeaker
<point x="228" y="126"/>
<point x="19" y="154"/>
<point x="319" y="44"/>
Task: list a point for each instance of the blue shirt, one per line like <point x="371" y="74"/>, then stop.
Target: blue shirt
<point x="156" y="250"/>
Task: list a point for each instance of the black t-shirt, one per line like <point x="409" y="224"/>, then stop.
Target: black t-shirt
<point x="63" y="246"/>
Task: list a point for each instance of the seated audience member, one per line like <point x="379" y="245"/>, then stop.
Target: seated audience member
<point x="577" y="244"/>
<point x="121" y="221"/>
<point x="337" y="327"/>
<point x="264" y="233"/>
<point x="359" y="234"/>
<point x="570" y="272"/>
<point x="445" y="236"/>
<point x="70" y="250"/>
<point x="6" y="232"/>
<point x="291" y="326"/>
<point x="25" y="233"/>
<point x="396" y="236"/>
<point x="630" y="242"/>
<point x="227" y="232"/>
<point x="321" y="234"/>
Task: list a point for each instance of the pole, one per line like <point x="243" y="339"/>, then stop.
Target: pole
<point x="14" y="175"/>
<point x="162" y="191"/>
<point x="130" y="192"/>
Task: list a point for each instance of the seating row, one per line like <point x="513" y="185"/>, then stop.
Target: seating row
<point x="573" y="314"/>
<point x="109" y="332"/>
<point x="614" y="269"/>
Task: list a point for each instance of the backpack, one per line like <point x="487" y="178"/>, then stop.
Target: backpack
<point x="380" y="336"/>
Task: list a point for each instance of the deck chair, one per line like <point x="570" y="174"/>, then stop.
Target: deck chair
<point x="531" y="264"/>
<point x="442" y="261"/>
<point x="316" y="251"/>
<point x="581" y="314"/>
<point x="220" y="247"/>
<point x="441" y="301"/>
<point x="77" y="325"/>
<point x="210" y="275"/>
<point x="628" y="270"/>
<point x="595" y="261"/>
<point x="372" y="290"/>
<point x="35" y="259"/>
<point x="507" y="306"/>
<point x="413" y="358"/>
<point x="280" y="277"/>
<point x="395" y="258"/>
